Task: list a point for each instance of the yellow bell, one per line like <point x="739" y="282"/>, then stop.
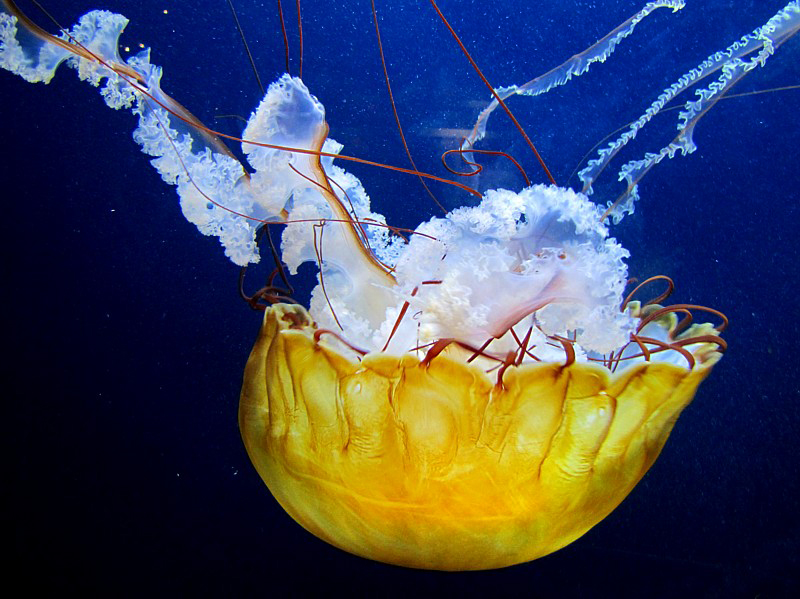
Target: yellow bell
<point x="435" y="466"/>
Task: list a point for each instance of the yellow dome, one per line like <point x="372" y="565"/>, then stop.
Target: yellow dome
<point x="436" y="466"/>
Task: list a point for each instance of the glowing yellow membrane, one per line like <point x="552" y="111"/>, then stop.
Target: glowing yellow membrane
<point x="438" y="467"/>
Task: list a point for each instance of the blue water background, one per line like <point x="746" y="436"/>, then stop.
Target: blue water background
<point x="126" y="339"/>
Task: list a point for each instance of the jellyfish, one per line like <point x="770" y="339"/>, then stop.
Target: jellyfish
<point x="472" y="394"/>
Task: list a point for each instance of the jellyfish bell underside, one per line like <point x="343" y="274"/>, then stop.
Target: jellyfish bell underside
<point x="470" y="397"/>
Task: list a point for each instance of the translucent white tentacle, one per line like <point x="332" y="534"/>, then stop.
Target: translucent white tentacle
<point x="734" y="62"/>
<point x="574" y="67"/>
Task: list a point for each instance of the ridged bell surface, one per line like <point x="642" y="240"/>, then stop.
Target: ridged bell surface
<point x="438" y="467"/>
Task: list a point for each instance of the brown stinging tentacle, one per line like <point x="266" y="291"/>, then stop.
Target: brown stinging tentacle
<point x="270" y="293"/>
<point x="494" y="93"/>
<point x="655" y="300"/>
<point x="285" y="38"/>
<point x="663" y="344"/>
<point x="438" y="347"/>
<point x="509" y="361"/>
<point x="300" y="34"/>
<point x="400" y="316"/>
<point x="685" y="308"/>
<point x="478" y="168"/>
<point x="320" y="332"/>
<point x="318" y="252"/>
<point x="394" y="109"/>
<point x="246" y="47"/>
<point x="569" y="350"/>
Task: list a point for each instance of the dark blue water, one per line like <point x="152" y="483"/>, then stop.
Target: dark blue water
<point x="126" y="338"/>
